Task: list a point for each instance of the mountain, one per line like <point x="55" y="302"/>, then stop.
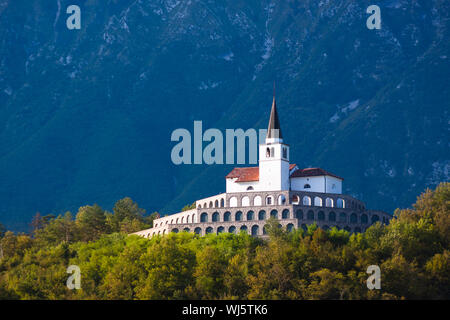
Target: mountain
<point x="86" y="115"/>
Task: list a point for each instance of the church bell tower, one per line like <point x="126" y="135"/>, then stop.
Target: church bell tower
<point x="274" y="156"/>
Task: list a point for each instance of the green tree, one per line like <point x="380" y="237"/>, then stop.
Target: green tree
<point x="91" y="222"/>
<point x="127" y="216"/>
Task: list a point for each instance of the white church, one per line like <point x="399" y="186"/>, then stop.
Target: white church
<point x="276" y="188"/>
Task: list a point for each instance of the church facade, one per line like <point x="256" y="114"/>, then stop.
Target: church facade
<point x="276" y="188"/>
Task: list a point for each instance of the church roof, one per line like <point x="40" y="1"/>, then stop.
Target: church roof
<point x="244" y="174"/>
<point x="312" y="172"/>
<point x="248" y="174"/>
<point x="274" y="129"/>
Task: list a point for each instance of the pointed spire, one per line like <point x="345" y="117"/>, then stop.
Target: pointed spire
<point x="274" y="129"/>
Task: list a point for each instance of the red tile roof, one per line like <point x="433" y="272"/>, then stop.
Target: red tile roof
<point x="248" y="174"/>
<point x="244" y="174"/>
<point x="312" y="172"/>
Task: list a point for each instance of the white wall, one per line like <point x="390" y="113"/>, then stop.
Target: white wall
<point x="273" y="170"/>
<point x="233" y="186"/>
<point x="318" y="184"/>
<point x="334" y="185"/>
<point x="207" y="201"/>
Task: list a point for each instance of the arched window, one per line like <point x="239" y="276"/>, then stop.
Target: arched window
<point x="232" y="229"/>
<point x="193" y="217"/>
<point x="353" y="218"/>
<point x="262" y="215"/>
<point x="245" y="201"/>
<point x="285" y="214"/>
<point x="250" y="215"/>
<point x="285" y="153"/>
<point x="222" y="203"/>
<point x="198" y="230"/>
<point x="281" y="200"/>
<point x="186" y="230"/>
<point x="295" y="199"/>
<point x="204" y="217"/>
<point x="182" y="219"/>
<point x="274" y="214"/>
<point x="307" y="186"/>
<point x="216" y="203"/>
<point x="364" y="218"/>
<point x="265" y="230"/>
<point x="329" y="202"/>
<point x="299" y="214"/>
<point x="272" y="152"/>
<point x="321" y="216"/>
<point x="268" y="153"/>
<point x="220" y="229"/>
<point x="199" y="206"/>
<point x="255" y="230"/>
<point x="210" y="204"/>
<point x="290" y="227"/>
<point x="306" y="201"/>
<point x="310" y="215"/>
<point x="250" y="188"/>
<point x="269" y="200"/>
<point x="317" y="201"/>
<point x="227" y="216"/>
<point x="342" y="217"/>
<point x="215" y="217"/>
<point x="243" y="229"/>
<point x="332" y="216"/>
<point x="209" y="230"/>
<point x="257" y="201"/>
<point x="238" y="216"/>
<point x="175" y="230"/>
<point x="340" y="203"/>
<point x="233" y="202"/>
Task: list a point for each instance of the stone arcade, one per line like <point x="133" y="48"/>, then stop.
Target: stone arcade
<point x="296" y="197"/>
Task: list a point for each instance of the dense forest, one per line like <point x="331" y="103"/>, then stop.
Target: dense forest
<point x="412" y="253"/>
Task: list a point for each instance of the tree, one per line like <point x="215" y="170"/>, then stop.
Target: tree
<point x="188" y="207"/>
<point x="211" y="265"/>
<point x="170" y="267"/>
<point x="61" y="229"/>
<point x="2" y="230"/>
<point x="91" y="222"/>
<point x="126" y="209"/>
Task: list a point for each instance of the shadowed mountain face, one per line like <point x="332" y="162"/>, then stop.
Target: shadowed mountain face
<point x="86" y="115"/>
